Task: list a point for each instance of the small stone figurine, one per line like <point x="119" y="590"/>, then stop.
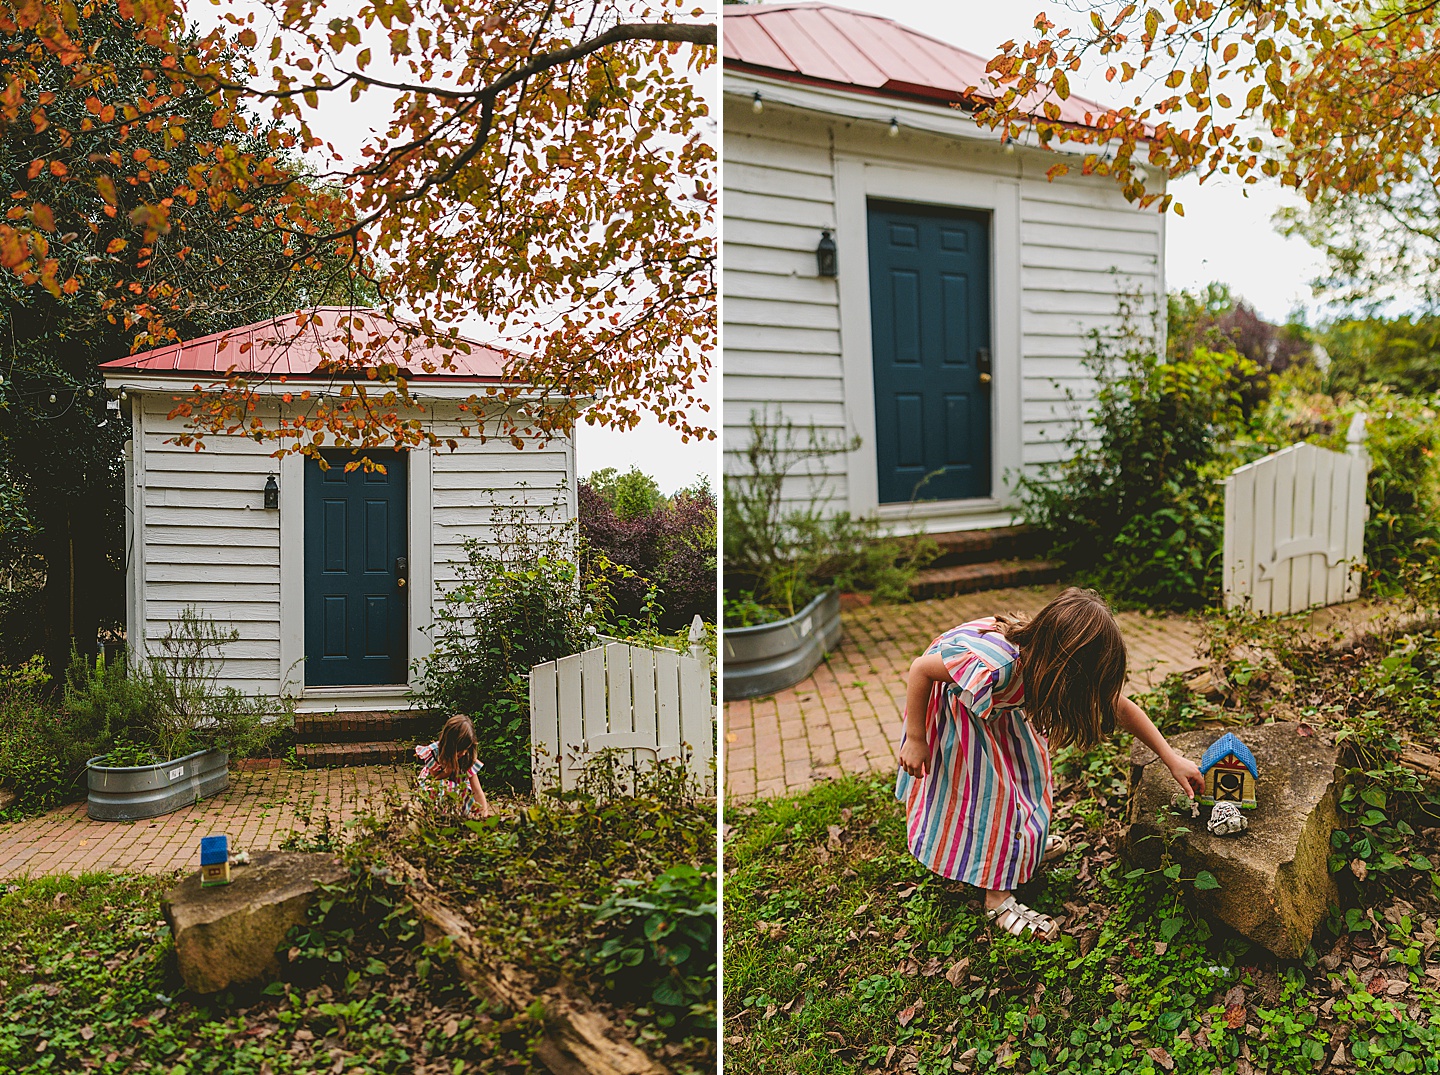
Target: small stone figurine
<point x="214" y="861"/>
<point x="1226" y="818"/>
<point x="1230" y="773"/>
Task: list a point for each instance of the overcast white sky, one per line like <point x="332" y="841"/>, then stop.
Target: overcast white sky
<point x="1225" y="233"/>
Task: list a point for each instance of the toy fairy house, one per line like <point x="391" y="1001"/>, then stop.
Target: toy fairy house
<point x="1229" y="771"/>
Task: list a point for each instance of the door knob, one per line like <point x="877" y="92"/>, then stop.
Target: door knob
<point x="983" y="364"/>
<point x="401" y="565"/>
<point x="985" y="378"/>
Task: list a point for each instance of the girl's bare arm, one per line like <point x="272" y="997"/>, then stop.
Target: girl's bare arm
<point x="925" y="671"/>
<point x="1131" y="718"/>
<point x="479" y="793"/>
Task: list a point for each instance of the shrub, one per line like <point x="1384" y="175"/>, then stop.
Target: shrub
<point x="1135" y="510"/>
<point x="661" y="943"/>
<point x="37" y="764"/>
<point x="666" y="543"/>
<point x="510" y="609"/>
<point x="780" y="555"/>
<point x="186" y="707"/>
<point x="1402" y="531"/>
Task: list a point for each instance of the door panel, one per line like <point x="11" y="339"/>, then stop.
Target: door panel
<point x="355" y="605"/>
<point x="930" y="317"/>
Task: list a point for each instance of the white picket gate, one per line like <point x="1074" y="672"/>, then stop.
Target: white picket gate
<point x="655" y="703"/>
<point x="1295" y="527"/>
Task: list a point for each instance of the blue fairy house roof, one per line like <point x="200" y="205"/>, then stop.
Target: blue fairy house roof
<point x="1228" y="744"/>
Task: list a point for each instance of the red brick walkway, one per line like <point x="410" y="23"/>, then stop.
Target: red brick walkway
<point x="846" y="717"/>
<point x="258" y="811"/>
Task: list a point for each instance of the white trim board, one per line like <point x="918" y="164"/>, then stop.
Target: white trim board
<point x="858" y="179"/>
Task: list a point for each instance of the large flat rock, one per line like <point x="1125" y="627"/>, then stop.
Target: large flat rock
<point x="227" y="936"/>
<point x="1275" y="883"/>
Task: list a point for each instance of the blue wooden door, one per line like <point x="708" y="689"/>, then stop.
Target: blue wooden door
<point x="930" y="328"/>
<point x="355" y="572"/>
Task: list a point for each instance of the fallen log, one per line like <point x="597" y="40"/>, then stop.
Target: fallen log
<point x="577" y="1039"/>
<point x="1422" y="762"/>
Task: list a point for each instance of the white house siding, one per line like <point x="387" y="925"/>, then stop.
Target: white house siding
<point x="1080" y="244"/>
<point x="481" y="484"/>
<point x="206" y="541"/>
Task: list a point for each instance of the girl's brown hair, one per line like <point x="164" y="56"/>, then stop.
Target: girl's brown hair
<point x="1072" y="661"/>
<point x="455" y="749"/>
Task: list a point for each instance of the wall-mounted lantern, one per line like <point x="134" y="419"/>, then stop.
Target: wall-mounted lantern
<point x="272" y="494"/>
<point x="757" y="103"/>
<point x="826" y="263"/>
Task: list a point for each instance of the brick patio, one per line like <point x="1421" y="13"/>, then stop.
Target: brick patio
<point x="846" y="717"/>
<point x="259" y="809"/>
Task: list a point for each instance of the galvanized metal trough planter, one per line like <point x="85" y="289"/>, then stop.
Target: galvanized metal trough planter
<point x="131" y="792"/>
<point x="772" y="656"/>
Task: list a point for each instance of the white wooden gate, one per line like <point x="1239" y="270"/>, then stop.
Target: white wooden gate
<point x="652" y="702"/>
<point x="1295" y="527"/>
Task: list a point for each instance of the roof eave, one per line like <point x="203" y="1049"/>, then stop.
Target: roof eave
<point x="862" y="103"/>
<point x="447" y="388"/>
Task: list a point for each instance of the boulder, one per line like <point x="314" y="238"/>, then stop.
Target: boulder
<point x="227" y="936"/>
<point x="1275" y="883"/>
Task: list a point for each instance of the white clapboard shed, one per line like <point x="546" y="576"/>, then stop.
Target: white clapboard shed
<point x="1295" y="527"/>
<point x="332" y="579"/>
<point x="965" y="285"/>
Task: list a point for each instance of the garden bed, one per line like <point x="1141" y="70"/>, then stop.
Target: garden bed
<point x="772" y="656"/>
<point x="88" y="979"/>
<point x="133" y="792"/>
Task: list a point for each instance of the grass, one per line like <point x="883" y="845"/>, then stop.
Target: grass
<point x="88" y="979"/>
<point x="843" y="954"/>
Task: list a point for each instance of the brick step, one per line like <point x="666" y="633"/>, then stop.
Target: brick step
<point x="343" y="755"/>
<point x="985" y="546"/>
<point x="364" y="727"/>
<point x="969" y="578"/>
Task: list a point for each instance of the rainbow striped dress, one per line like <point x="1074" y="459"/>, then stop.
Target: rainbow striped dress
<point x="982" y="812"/>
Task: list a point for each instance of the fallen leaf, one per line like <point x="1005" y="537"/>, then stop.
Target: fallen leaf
<point x="956" y="974"/>
<point x="1304" y="730"/>
<point x="1234" y="1016"/>
<point x="450" y="1028"/>
<point x="907" y="1014"/>
<point x="1160" y="948"/>
<point x="860" y="910"/>
<point x="845" y="814"/>
<point x="834" y="842"/>
<point x="87" y="1032"/>
<point x="1161" y="1057"/>
<point x="931" y="968"/>
<point x="1359" y="869"/>
<point x="41" y="1045"/>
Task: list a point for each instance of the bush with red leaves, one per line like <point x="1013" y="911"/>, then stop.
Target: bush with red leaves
<point x="672" y="547"/>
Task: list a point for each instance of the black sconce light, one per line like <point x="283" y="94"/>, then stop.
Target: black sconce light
<point x="825" y="260"/>
<point x="272" y="494"/>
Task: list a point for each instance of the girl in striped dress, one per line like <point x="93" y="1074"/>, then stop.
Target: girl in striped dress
<point x="983" y="704"/>
<point x="450" y="775"/>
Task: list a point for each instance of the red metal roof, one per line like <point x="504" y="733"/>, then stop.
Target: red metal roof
<point x="853" y="50"/>
<point x="302" y="344"/>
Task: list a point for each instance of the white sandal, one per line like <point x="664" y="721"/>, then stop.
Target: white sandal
<point x="1055" y="847"/>
<point x="1018" y="920"/>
